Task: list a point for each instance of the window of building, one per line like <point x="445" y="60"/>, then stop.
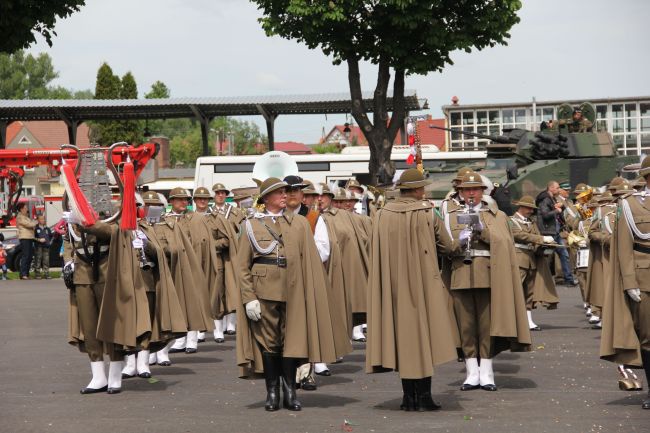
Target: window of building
<point x="24" y="140"/>
<point x="29" y="190"/>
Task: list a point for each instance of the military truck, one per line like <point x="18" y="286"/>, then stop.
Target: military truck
<point x="521" y="162"/>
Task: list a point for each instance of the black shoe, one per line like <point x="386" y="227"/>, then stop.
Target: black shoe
<point x="94" y="390"/>
<point x="114" y="390"/>
<point x="219" y="340"/>
<point x="646" y="403"/>
<point x="468" y="387"/>
<point x="189" y="351"/>
<point x="308" y="384"/>
<point x="145" y="375"/>
<point x="231" y="332"/>
<point x="409" y="400"/>
<point x="272" y="363"/>
<point x="360" y="340"/>
<point x="172" y="350"/>
<point x="165" y="363"/>
<point x="323" y="373"/>
<point x="290" y="400"/>
<point x="490" y="387"/>
<point x="536" y="328"/>
<point x="127" y="376"/>
<point x="201" y="340"/>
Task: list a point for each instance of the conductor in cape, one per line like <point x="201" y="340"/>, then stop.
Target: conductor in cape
<point x="283" y="296"/>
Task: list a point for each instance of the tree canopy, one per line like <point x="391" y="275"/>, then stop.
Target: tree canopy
<point x="407" y="36"/>
<point x="22" y="20"/>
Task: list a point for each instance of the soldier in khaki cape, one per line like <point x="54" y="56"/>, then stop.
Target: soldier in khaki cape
<point x="488" y="297"/>
<point x="527" y="243"/>
<point x="410" y="328"/>
<point x="89" y="247"/>
<point x="625" y="338"/>
<point x="235" y="216"/>
<point x="283" y="296"/>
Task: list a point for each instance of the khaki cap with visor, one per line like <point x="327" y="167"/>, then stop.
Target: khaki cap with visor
<point x="220" y="187"/>
<point x="271" y="184"/>
<point x="472" y="180"/>
<point x="412" y="179"/>
<point x="151" y="198"/>
<point x="645" y="167"/>
<point x="202" y="192"/>
<point x="179" y="193"/>
<point x="526" y="201"/>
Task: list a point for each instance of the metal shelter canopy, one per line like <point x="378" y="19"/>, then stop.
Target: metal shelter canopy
<point x="75" y="111"/>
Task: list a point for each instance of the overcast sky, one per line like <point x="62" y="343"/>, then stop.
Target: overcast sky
<point x="573" y="49"/>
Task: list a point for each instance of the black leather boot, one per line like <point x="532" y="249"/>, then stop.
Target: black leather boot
<point x="272" y="369"/>
<point x="424" y="401"/>
<point x="645" y="357"/>
<point x="289" y="367"/>
<point x="409" y="401"/>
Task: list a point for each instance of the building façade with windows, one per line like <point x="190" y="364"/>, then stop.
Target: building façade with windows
<point x="626" y="119"/>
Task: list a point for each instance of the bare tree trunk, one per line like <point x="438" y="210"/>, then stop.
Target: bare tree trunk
<point x="380" y="133"/>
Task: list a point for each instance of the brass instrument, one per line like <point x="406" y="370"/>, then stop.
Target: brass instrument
<point x="581" y="203"/>
<point x="470" y="218"/>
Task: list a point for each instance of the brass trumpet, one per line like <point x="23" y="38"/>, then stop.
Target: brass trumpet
<point x="581" y="203"/>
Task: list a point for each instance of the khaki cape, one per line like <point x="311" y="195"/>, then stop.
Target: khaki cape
<point x="618" y="340"/>
<point x="124" y="318"/>
<point x="411" y="327"/>
<point x="308" y="332"/>
<point x="596" y="280"/>
<point x="223" y="300"/>
<point x="187" y="274"/>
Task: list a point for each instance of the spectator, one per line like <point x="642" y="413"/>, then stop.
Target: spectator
<point x="3" y="261"/>
<point x="26" y="236"/>
<point x="550" y="223"/>
<point x="43" y="241"/>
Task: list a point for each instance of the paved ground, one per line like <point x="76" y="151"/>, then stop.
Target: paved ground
<point x="560" y="387"/>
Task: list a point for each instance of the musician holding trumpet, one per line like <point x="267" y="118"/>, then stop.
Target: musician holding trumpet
<point x="485" y="284"/>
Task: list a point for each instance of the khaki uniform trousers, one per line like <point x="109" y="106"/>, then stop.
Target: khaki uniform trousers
<point x="472" y="308"/>
<point x="641" y="317"/>
<point x="89" y="301"/>
<point x="527" y="277"/>
<point x="269" y="330"/>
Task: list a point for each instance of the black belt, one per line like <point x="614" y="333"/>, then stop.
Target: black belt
<point x="265" y="261"/>
<point x="641" y="249"/>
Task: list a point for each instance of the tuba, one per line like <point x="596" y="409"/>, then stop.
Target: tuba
<point x="273" y="164"/>
<point x="581" y="203"/>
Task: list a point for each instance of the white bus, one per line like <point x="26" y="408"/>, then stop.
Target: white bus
<point x="236" y="171"/>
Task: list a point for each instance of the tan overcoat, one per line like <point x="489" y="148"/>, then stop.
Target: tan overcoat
<point x="508" y="322"/>
<point x="124" y="318"/>
<point x="619" y="342"/>
<point x="187" y="274"/>
<point x="308" y="330"/>
<point x="224" y="299"/>
<point x="411" y="328"/>
<point x="595" y="290"/>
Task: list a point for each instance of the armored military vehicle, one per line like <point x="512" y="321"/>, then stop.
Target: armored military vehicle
<point x="521" y="162"/>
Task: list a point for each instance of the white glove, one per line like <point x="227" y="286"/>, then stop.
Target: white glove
<point x="464" y="235"/>
<point x="253" y="310"/>
<point x="137" y="243"/>
<point x="635" y="294"/>
<point x="548" y="240"/>
<point x="582" y="244"/>
<point x="70" y="218"/>
<point x="140" y="235"/>
<point x="479" y="227"/>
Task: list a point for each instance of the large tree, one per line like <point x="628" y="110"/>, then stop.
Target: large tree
<point x="22" y="20"/>
<point x="131" y="130"/>
<point x="108" y="86"/>
<point x="401" y="37"/>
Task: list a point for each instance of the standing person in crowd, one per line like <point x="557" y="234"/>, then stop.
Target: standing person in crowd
<point x="410" y="327"/>
<point x="3" y="261"/>
<point x="550" y="222"/>
<point x="283" y="315"/>
<point x="26" y="236"/>
<point x="43" y="237"/>
<point x="485" y="284"/>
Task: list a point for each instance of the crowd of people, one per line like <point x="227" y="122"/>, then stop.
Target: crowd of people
<point x="307" y="269"/>
<point x="35" y="239"/>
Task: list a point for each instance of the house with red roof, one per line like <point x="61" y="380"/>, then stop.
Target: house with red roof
<point x="38" y="135"/>
<point x="428" y="136"/>
<point x="293" y="148"/>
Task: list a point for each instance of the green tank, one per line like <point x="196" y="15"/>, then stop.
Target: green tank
<point x="521" y="162"/>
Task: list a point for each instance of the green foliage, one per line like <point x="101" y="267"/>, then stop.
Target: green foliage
<point x="130" y="130"/>
<point x="159" y="90"/>
<point x="415" y="36"/>
<point x="326" y="148"/>
<point x="21" y="20"/>
<point x="185" y="149"/>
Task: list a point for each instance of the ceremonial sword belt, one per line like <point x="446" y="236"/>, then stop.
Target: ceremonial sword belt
<point x="641" y="248"/>
<point x="280" y="262"/>
<point x="477" y="253"/>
